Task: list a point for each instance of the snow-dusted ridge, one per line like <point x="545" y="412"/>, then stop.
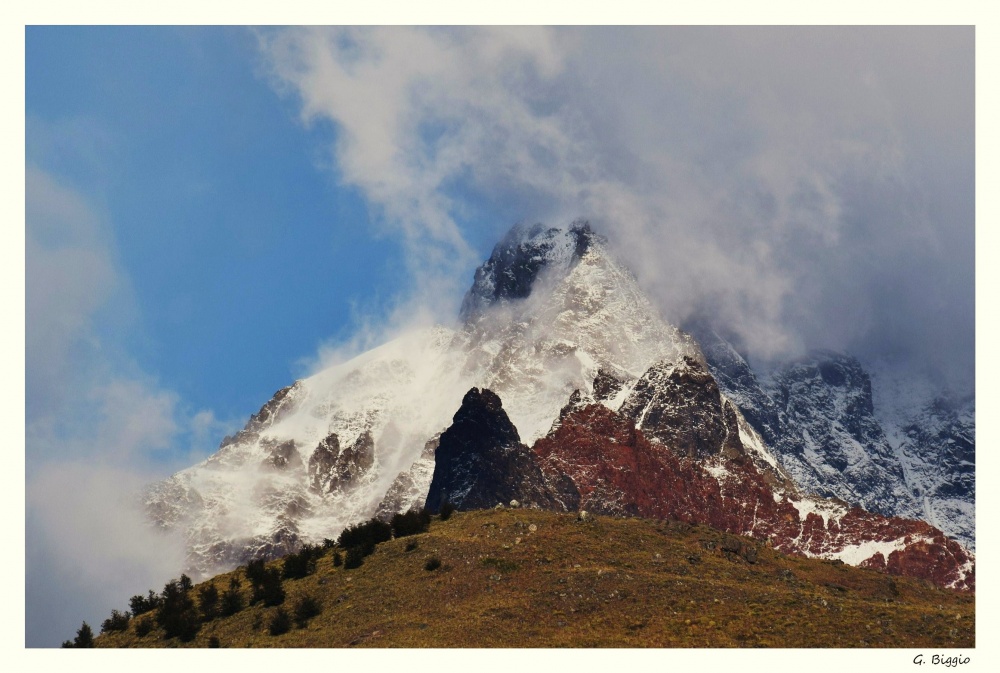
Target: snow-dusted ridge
<point x="547" y="312"/>
<point x="551" y="314"/>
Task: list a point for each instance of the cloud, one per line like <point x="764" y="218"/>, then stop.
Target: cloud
<point x="806" y="186"/>
<point x="96" y="427"/>
<point x="89" y="548"/>
<point x="69" y="276"/>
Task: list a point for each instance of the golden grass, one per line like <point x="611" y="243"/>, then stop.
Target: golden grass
<point x="605" y="582"/>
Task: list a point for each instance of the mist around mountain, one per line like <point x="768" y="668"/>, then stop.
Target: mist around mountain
<point x="554" y="327"/>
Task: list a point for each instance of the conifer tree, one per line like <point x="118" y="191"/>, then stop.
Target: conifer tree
<point x="266" y="586"/>
<point x="84" y="637"/>
<point x="232" y="598"/>
<point x="142" y="604"/>
<point x="177" y="614"/>
<point x="118" y="621"/>
<point x="208" y="602"/>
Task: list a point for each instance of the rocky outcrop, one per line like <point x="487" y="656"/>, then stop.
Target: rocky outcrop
<point x="274" y="409"/>
<point x="395" y="499"/>
<point x="322" y="462"/>
<point x="332" y="468"/>
<point x="608" y="383"/>
<point x="517" y="260"/>
<point x="617" y="470"/>
<point x="680" y="406"/>
<point x="409" y="489"/>
<point x="480" y="460"/>
<point x="282" y="456"/>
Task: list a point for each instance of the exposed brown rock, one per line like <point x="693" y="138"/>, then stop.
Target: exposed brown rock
<point x="281" y="456"/>
<point x="617" y="470"/>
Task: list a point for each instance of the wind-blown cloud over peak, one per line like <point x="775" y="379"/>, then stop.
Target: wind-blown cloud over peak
<point x="412" y="107"/>
<point x="807" y="187"/>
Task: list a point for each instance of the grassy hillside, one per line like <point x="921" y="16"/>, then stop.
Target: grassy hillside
<point x="527" y="578"/>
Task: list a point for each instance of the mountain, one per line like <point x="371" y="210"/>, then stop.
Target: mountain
<point x="656" y="459"/>
<point x="557" y="347"/>
<point x="547" y="312"/>
<point x="933" y="433"/>
<point x="865" y="437"/>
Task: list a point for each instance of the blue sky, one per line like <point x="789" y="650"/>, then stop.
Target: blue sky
<point x="213" y="212"/>
<point x="190" y="248"/>
<point x="240" y="251"/>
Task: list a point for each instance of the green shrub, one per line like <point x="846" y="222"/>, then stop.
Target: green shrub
<point x="208" y="602"/>
<point x="307" y="608"/>
<point x="296" y="566"/>
<point x="354" y="558"/>
<point x="214" y="642"/>
<point x="446" y="511"/>
<point x="118" y="621"/>
<point x="280" y="622"/>
<point x="144" y="626"/>
<point x="433" y="563"/>
<point x="365" y="535"/>
<point x="411" y="523"/>
<point x="232" y="598"/>
<point x="141" y="605"/>
<point x="338" y="560"/>
<point x="411" y="545"/>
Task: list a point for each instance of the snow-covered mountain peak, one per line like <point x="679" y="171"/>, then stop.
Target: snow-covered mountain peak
<point x="551" y="316"/>
<point x="585" y="312"/>
<point x="525" y="253"/>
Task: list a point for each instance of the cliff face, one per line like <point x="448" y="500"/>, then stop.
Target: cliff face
<point x="480" y="460"/>
<point x="618" y="470"/>
<point x="863" y="436"/>
<point x="598" y="460"/>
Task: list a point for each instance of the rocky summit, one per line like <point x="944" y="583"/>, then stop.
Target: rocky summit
<point x="561" y="387"/>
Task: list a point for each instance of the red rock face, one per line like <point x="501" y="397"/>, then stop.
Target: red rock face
<point x="618" y="471"/>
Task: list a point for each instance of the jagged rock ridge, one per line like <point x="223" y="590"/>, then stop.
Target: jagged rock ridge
<point x="599" y="460"/>
<point x="480" y="460"/>
<point x="550" y="314"/>
<point x="819" y="416"/>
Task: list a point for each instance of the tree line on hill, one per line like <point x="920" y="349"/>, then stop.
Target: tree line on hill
<point x="180" y="611"/>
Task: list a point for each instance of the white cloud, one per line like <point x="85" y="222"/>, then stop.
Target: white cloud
<point x="769" y="176"/>
<point x="69" y="275"/>
<point x="96" y="428"/>
<point x="88" y="548"/>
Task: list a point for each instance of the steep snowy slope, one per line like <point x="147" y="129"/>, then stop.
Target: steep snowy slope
<point x="874" y="440"/>
<point x="321" y="455"/>
<point x="536" y="341"/>
<point x="551" y="316"/>
<point x="547" y="312"/>
<point x="827" y="399"/>
<point x="934" y="435"/>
